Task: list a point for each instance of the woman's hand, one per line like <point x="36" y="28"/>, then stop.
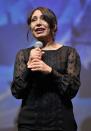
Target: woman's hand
<point x="39" y="65"/>
<point x="35" y="53"/>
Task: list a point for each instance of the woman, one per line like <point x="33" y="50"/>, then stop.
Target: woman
<point x="46" y="78"/>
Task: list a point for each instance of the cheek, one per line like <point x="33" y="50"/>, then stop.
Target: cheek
<point x="31" y="27"/>
<point x="48" y="30"/>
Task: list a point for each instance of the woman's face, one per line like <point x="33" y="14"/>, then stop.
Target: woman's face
<point x="39" y="27"/>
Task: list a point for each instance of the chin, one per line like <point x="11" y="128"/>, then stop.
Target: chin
<point x="41" y="37"/>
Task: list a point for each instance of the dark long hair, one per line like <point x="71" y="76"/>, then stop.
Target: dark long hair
<point x="48" y="16"/>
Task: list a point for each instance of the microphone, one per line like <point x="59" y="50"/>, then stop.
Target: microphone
<point x="38" y="44"/>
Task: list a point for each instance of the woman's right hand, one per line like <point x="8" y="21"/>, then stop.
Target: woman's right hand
<point x="35" y="53"/>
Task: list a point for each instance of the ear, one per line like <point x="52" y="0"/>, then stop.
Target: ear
<point x="55" y="28"/>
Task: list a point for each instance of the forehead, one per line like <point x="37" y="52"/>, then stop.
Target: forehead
<point x="37" y="13"/>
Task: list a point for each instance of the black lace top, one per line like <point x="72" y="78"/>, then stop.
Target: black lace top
<point x="46" y="98"/>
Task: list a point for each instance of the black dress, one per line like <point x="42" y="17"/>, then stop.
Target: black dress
<point x="46" y="98"/>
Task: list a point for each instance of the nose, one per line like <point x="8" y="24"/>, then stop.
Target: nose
<point x="38" y="22"/>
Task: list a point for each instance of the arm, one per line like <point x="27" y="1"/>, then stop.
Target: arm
<point x="19" y="87"/>
<point x="68" y="83"/>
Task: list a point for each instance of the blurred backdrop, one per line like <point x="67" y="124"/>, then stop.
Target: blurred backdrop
<point x="74" y="29"/>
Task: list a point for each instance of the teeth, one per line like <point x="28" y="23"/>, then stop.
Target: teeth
<point x="39" y="29"/>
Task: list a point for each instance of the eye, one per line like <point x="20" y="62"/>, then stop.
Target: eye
<point x="33" y="19"/>
<point x="45" y="18"/>
<point x="42" y="17"/>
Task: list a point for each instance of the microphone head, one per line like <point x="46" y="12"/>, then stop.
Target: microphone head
<point x="38" y="44"/>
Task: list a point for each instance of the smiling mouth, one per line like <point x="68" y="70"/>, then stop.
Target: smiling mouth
<point x="39" y="30"/>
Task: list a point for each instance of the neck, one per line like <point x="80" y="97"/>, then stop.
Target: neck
<point x="48" y="43"/>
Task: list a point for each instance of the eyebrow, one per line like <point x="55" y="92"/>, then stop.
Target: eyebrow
<point x="36" y="16"/>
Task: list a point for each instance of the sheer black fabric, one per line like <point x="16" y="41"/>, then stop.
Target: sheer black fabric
<point x="46" y="98"/>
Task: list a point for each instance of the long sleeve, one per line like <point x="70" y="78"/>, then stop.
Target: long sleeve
<point x="69" y="82"/>
<point x="20" y="77"/>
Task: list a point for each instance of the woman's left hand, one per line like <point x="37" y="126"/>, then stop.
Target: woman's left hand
<point x="39" y="65"/>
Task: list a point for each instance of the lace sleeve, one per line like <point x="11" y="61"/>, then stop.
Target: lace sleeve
<point x="20" y="77"/>
<point x="69" y="82"/>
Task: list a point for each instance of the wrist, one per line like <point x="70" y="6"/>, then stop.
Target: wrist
<point x="50" y="69"/>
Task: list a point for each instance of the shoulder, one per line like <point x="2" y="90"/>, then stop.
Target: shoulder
<point x="24" y="51"/>
<point x="73" y="53"/>
<point x="70" y="49"/>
